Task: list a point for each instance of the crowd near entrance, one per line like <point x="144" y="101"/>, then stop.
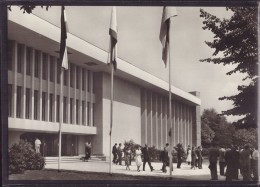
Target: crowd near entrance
<point x="50" y="143"/>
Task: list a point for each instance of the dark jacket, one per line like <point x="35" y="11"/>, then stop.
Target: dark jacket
<point x="146" y="154"/>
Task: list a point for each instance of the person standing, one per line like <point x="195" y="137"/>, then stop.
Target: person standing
<point x="236" y="162"/>
<point x="164" y="157"/>
<point x="37" y="145"/>
<point x="127" y="157"/>
<point x="213" y="159"/>
<point x="193" y="158"/>
<point x="138" y="158"/>
<point x="188" y="155"/>
<point x="199" y="155"/>
<point x="245" y="163"/>
<point x="180" y="152"/>
<point x="222" y="162"/>
<point x="255" y="156"/>
<point x="114" y="152"/>
<point x="146" y="156"/>
<point x="230" y="162"/>
<point x="119" y="153"/>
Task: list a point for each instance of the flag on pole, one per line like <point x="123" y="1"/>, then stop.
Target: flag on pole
<point x="63" y="46"/>
<point x="164" y="32"/>
<point x="112" y="55"/>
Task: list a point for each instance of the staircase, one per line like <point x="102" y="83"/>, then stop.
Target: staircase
<point x="73" y="159"/>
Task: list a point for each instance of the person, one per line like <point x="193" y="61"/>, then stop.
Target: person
<point x="188" y="155"/>
<point x="199" y="155"/>
<point x="213" y="159"/>
<point x="37" y="145"/>
<point x="255" y="156"/>
<point x="193" y="158"/>
<point x="222" y="162"/>
<point x="180" y="152"/>
<point x="236" y="162"/>
<point x="114" y="152"/>
<point x="245" y="163"/>
<point x="119" y="153"/>
<point x="127" y="157"/>
<point x="196" y="157"/>
<point x="138" y="159"/>
<point x="230" y="162"/>
<point x="87" y="151"/>
<point x="165" y="158"/>
<point x="146" y="156"/>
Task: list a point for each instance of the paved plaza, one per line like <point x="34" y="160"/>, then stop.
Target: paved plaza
<point x="103" y="166"/>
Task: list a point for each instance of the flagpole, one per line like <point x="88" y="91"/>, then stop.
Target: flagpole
<point x="61" y="117"/>
<point x="170" y="99"/>
<point x="111" y="117"/>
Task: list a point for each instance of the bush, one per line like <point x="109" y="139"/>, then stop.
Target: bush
<point x="23" y="157"/>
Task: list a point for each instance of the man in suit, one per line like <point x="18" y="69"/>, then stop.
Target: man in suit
<point x="146" y="156"/>
<point x="213" y="159"/>
<point x="245" y="163"/>
<point x="114" y="150"/>
<point x="119" y="153"/>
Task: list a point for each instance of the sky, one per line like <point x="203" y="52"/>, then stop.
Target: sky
<point x="139" y="44"/>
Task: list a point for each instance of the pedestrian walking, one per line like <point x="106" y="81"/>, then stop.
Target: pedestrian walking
<point x="127" y="157"/>
<point x="230" y="163"/>
<point x="222" y="162"/>
<point x="213" y="159"/>
<point x="245" y="163"/>
<point x="199" y="155"/>
<point x="120" y="154"/>
<point x="147" y="158"/>
<point x="180" y="153"/>
<point x="37" y="144"/>
<point x="138" y="158"/>
<point x="114" y="152"/>
<point x="188" y="155"/>
<point x="164" y="158"/>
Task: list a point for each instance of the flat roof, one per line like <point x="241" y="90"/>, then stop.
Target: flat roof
<point x="26" y="28"/>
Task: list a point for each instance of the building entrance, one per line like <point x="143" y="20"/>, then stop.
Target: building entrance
<point x="50" y="143"/>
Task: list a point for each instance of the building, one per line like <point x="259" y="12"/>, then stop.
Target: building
<point x="140" y="99"/>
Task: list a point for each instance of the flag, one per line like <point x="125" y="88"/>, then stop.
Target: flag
<point x="112" y="55"/>
<point x="63" y="47"/>
<point x="168" y="12"/>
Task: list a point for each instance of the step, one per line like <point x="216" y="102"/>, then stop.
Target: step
<point x="68" y="159"/>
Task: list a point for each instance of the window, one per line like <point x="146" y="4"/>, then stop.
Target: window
<point x="10" y="100"/>
<point x="44" y="66"/>
<point x="27" y="103"/>
<point x="52" y="69"/>
<point x="19" y="102"/>
<point x="36" y="63"/>
<point x="71" y="110"/>
<point x="77" y="77"/>
<point x="65" y="110"/>
<point x="51" y="108"/>
<point x="71" y="75"/>
<point x="58" y="109"/>
<point x="44" y="106"/>
<point x="83" y="112"/>
<point x="10" y="55"/>
<point x="19" y="58"/>
<point x="28" y="60"/>
<point x="83" y="79"/>
<point x="36" y="104"/>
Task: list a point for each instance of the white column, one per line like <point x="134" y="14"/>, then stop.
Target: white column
<point x="91" y="99"/>
<point x="68" y="98"/>
<point x="80" y="96"/>
<point x="40" y="90"/>
<point x="174" y="123"/>
<point x="32" y="83"/>
<point x="74" y="94"/>
<point x="161" y="121"/>
<point x="24" y="83"/>
<point x="15" y="77"/>
<point x="145" y="105"/>
<point x="156" y="122"/>
<point x="48" y="88"/>
<point x="55" y="90"/>
<point x="178" y="120"/>
<point x="86" y="98"/>
<point x="151" y="101"/>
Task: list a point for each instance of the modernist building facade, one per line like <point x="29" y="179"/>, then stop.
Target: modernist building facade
<point x="140" y="99"/>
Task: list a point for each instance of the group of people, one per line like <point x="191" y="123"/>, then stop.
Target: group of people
<point x="194" y="157"/>
<point x="87" y="151"/>
<point x="118" y="152"/>
<point x="233" y="159"/>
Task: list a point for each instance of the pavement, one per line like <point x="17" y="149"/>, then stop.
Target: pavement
<point x="185" y="172"/>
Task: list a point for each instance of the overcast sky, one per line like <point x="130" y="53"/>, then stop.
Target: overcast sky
<point x="138" y="44"/>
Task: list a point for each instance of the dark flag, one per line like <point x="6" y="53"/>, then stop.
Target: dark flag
<point x="63" y="46"/>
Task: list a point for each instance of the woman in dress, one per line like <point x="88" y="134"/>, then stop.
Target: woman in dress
<point x="138" y="159"/>
<point x="189" y="155"/>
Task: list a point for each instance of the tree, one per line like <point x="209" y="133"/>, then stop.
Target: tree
<point x="27" y="8"/>
<point x="235" y="42"/>
<point x="244" y="136"/>
<point x="215" y="128"/>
